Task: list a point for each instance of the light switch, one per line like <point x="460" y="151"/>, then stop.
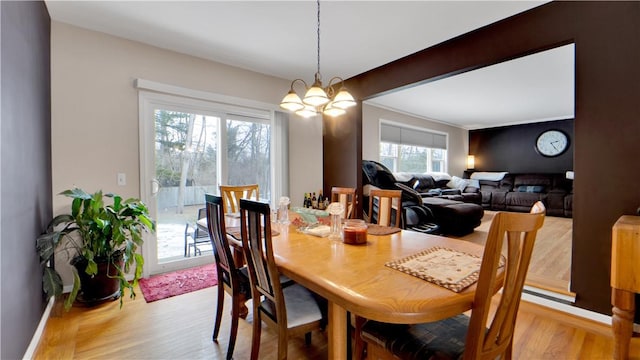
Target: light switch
<point x="122" y="179"/>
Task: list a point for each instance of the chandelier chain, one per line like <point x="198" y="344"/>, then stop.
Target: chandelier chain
<point x="318" y="2"/>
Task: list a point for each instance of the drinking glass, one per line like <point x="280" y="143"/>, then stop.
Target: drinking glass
<point x="335" y="209"/>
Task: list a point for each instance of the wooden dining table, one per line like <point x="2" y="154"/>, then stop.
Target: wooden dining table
<point x="354" y="278"/>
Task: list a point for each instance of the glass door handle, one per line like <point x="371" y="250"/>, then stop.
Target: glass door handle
<point x="155" y="187"/>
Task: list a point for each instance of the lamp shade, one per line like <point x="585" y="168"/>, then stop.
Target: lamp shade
<point x="471" y="162"/>
<point x="315" y="96"/>
<point x="343" y="99"/>
<point x="292" y="102"/>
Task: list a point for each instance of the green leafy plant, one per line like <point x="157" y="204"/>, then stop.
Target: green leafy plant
<point x="95" y="232"/>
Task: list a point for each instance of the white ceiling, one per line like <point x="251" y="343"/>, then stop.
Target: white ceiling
<point x="278" y="38"/>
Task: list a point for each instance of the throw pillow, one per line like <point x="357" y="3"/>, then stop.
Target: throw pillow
<point x="531" y="188"/>
<point x="457" y="183"/>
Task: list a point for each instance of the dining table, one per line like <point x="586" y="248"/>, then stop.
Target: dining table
<point x="355" y="279"/>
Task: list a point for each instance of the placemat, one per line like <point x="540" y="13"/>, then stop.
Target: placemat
<point x="375" y="229"/>
<point x="235" y="232"/>
<point x="448" y="268"/>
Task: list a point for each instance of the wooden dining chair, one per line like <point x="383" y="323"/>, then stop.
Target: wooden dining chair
<point x="231" y="279"/>
<point x="468" y="337"/>
<point x="347" y="198"/>
<point x="231" y="195"/>
<point x="291" y="310"/>
<point x="385" y="202"/>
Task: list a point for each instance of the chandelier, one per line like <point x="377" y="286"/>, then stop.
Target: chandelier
<point x="316" y="98"/>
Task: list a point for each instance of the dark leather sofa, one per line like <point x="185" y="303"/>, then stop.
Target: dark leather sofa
<point x="518" y="192"/>
<point x="435" y="210"/>
<point x="427" y="186"/>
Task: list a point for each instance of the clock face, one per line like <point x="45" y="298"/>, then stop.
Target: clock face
<point x="552" y="143"/>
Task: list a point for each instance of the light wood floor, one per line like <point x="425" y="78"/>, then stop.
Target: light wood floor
<point x="180" y="328"/>
<point x="550" y="267"/>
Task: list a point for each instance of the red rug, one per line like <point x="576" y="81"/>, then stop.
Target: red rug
<point x="179" y="282"/>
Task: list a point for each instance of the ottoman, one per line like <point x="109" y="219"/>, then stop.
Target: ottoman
<point x="455" y="217"/>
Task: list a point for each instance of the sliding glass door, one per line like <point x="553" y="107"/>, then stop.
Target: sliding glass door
<point x="189" y="148"/>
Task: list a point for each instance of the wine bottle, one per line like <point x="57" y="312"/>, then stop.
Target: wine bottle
<point x="314" y="201"/>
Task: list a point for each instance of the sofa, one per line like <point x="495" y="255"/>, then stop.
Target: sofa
<point x="518" y="192"/>
<point x="443" y="186"/>
<point x="429" y="205"/>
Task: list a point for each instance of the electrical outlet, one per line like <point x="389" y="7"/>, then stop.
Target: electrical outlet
<point x="122" y="179"/>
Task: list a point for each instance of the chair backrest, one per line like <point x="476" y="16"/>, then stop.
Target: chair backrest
<point x="520" y="230"/>
<point x="255" y="225"/>
<point x="231" y="195"/>
<point x="348" y="198"/>
<point x="218" y="234"/>
<point x="386" y="201"/>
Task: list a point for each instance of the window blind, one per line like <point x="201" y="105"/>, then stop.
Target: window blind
<point x="400" y="135"/>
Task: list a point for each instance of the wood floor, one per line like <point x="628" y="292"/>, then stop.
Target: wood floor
<point x="181" y="327"/>
<point x="550" y="267"/>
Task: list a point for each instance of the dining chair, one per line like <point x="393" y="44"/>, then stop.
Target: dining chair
<point x="386" y="201"/>
<point x="291" y="310"/>
<point x="461" y="336"/>
<point x="347" y="198"/>
<point x="231" y="279"/>
<point x="231" y="195"/>
<point x="197" y="232"/>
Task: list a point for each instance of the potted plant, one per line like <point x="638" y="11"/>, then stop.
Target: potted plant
<point x="101" y="242"/>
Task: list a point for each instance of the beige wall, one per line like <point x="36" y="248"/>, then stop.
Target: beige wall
<point x="458" y="138"/>
<point x="95" y="109"/>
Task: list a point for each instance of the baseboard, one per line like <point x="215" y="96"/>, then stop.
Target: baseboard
<point x="572" y="310"/>
<point x="37" y="335"/>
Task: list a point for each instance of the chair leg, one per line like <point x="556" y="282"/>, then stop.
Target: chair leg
<point x="255" y="339"/>
<point x="243" y="311"/>
<point x="358" y="343"/>
<point x="235" y="313"/>
<point x="186" y="240"/>
<point x="216" y="327"/>
<point x="283" y="344"/>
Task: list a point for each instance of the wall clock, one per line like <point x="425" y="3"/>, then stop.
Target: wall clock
<point x="552" y="143"/>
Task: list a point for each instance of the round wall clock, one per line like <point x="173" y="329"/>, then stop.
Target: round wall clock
<point x="552" y="143"/>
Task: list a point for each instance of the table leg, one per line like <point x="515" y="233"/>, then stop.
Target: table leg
<point x="337" y="325"/>
<point x="622" y="321"/>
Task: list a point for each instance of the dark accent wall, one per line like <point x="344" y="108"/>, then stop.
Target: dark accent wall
<point x="606" y="127"/>
<point x="25" y="166"/>
<point x="512" y="148"/>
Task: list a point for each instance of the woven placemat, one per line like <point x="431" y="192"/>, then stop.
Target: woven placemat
<point x="235" y="232"/>
<point x="448" y="268"/>
<point x="375" y="229"/>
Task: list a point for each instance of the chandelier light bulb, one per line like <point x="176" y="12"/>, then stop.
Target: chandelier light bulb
<point x="307" y="112"/>
<point x="331" y="110"/>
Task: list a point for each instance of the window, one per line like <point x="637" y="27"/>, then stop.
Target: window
<point x="404" y="149"/>
<point x="249" y="153"/>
